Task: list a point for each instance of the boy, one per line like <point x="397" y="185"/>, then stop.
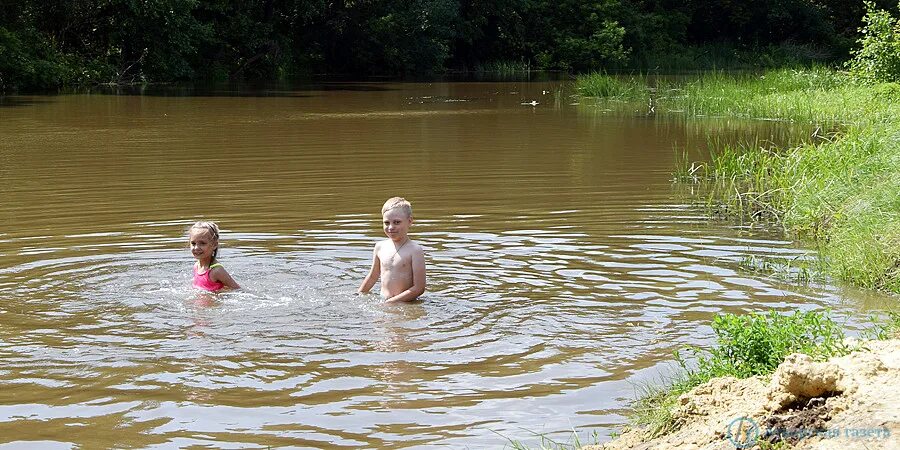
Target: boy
<point x="398" y="260"/>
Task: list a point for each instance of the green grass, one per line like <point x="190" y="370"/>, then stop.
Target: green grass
<point x="885" y="326"/>
<point x="842" y="193"/>
<point x="816" y="95"/>
<point x="600" y="84"/>
<point x="839" y="189"/>
<point x="547" y="443"/>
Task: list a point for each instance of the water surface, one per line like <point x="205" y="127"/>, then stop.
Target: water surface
<point x="564" y="266"/>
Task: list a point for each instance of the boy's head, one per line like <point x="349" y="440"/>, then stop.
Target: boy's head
<point x="397" y="203"/>
<point x="397" y="217"/>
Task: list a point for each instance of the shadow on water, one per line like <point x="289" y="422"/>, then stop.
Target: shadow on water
<point x="267" y="89"/>
<point x="294" y="90"/>
<point x="17" y="102"/>
<point x="289" y="88"/>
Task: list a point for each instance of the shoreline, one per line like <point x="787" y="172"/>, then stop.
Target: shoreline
<point x="848" y="402"/>
<point x="837" y="190"/>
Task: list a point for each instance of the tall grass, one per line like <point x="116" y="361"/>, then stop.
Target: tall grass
<point x="547" y="443"/>
<point x="840" y="189"/>
<point x="817" y="95"/>
<point x="603" y="85"/>
<point x="842" y="193"/>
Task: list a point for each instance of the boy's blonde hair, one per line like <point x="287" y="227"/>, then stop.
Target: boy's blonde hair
<point x="397" y="202"/>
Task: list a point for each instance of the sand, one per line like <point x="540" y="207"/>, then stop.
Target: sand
<point x="847" y="403"/>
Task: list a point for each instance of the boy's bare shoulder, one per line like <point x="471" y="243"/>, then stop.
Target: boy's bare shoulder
<point x="416" y="247"/>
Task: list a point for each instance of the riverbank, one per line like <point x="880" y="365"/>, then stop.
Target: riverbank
<point x="846" y="402"/>
<point x="773" y="381"/>
<point x="838" y="189"/>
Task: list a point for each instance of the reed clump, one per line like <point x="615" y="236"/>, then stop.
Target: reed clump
<point x="606" y="86"/>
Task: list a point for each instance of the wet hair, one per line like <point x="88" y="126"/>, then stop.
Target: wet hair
<point x="212" y="229"/>
<point x="397" y="202"/>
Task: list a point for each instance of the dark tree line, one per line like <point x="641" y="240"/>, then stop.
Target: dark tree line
<point x="47" y="43"/>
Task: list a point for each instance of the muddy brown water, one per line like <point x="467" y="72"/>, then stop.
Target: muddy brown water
<point x="564" y="266"/>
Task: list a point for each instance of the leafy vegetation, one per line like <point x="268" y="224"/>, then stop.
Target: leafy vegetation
<point x="878" y="57"/>
<point x="756" y="344"/>
<point x="45" y="45"/>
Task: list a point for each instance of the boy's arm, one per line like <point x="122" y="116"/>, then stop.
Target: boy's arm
<point x="221" y="275"/>
<point x="418" y="287"/>
<point x="373" y="275"/>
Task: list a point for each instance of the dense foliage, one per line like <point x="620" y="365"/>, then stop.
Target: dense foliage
<point x="878" y="57"/>
<point x="47" y="44"/>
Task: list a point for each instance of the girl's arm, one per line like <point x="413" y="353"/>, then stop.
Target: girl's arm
<point x="221" y="275"/>
<point x="373" y="275"/>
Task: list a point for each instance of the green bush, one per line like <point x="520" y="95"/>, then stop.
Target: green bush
<point x="878" y="58"/>
<point x="601" y="48"/>
<point x="756" y="344"/>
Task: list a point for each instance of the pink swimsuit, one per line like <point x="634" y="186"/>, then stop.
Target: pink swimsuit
<point x="202" y="280"/>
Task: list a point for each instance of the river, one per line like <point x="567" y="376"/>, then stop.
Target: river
<point x="564" y="266"/>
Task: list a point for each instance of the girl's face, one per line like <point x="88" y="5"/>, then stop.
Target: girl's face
<point x="202" y="244"/>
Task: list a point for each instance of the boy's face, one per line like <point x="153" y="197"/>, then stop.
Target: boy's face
<point x="396" y="224"/>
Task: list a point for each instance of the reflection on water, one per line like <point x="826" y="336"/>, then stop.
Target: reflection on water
<point x="563" y="266"/>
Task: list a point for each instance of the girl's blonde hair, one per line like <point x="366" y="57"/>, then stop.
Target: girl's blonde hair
<point x="210" y="227"/>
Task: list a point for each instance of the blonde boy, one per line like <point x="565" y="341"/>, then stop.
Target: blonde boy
<point x="398" y="260"/>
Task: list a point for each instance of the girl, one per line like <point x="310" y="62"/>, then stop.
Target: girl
<point x="208" y="274"/>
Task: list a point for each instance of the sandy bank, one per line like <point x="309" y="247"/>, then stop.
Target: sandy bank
<point x="849" y="402"/>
